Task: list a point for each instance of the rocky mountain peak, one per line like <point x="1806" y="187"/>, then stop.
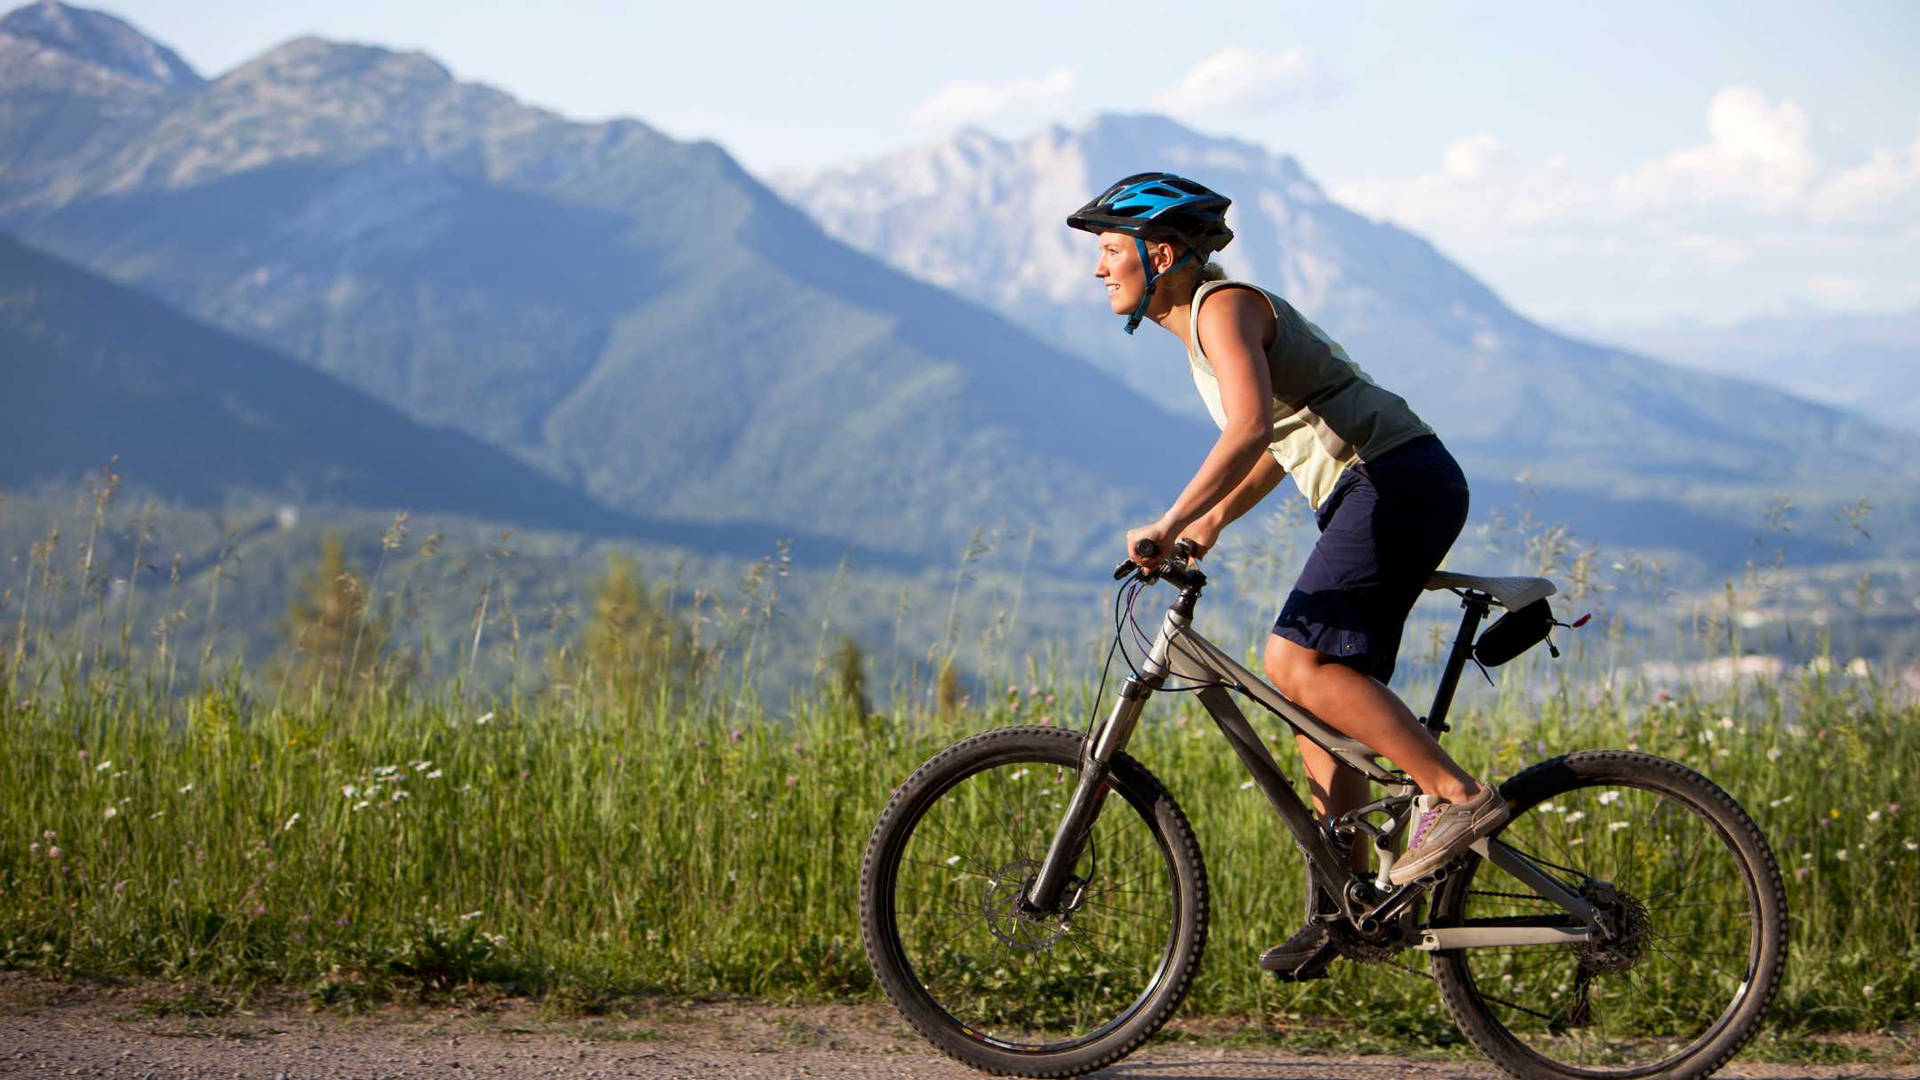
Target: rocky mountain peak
<point x="101" y="40"/>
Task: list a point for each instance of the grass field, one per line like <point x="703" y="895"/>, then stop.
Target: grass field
<point x="550" y="847"/>
<point x="592" y="833"/>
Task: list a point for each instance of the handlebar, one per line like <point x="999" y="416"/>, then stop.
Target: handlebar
<point x="1174" y="569"/>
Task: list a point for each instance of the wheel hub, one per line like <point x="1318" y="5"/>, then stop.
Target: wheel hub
<point x="1008" y="917"/>
<point x="1632" y="929"/>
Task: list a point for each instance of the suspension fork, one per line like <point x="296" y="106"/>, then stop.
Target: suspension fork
<point x="1090" y="794"/>
<point x="1076" y="825"/>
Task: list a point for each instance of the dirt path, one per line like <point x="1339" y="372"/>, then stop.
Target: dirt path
<point x="49" y="1029"/>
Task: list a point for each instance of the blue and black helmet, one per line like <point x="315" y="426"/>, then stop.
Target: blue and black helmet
<point x="1159" y="206"/>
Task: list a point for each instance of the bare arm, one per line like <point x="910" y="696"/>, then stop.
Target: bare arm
<point x="1232" y="329"/>
<point x="1265" y="476"/>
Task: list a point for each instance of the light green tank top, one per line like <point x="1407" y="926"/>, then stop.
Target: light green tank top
<point x="1327" y="414"/>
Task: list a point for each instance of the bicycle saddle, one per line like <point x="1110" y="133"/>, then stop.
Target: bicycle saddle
<point x="1512" y="593"/>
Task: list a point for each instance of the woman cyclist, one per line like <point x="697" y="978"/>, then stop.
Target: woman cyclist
<point x="1388" y="498"/>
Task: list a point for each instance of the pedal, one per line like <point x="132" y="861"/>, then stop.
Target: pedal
<point x="1313" y="967"/>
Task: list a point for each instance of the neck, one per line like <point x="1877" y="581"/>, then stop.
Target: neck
<point x="1173" y="310"/>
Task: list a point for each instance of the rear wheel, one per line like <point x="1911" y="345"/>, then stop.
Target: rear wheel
<point x="1697" y="905"/>
<point x="1004" y="990"/>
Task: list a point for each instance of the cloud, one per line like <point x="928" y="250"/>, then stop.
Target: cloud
<point x="1854" y="194"/>
<point x="1015" y="101"/>
<point x="1239" y="79"/>
<point x="1747" y="209"/>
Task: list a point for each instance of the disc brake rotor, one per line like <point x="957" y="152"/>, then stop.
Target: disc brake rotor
<point x="1007" y="921"/>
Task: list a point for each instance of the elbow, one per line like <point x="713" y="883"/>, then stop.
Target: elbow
<point x="1250" y="442"/>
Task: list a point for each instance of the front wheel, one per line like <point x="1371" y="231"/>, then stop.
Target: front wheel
<point x="1698" y="914"/>
<point x="1003" y="989"/>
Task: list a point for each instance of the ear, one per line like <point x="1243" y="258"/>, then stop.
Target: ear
<point x="1162" y="255"/>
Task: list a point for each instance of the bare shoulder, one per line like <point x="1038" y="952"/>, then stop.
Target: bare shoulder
<point x="1236" y="313"/>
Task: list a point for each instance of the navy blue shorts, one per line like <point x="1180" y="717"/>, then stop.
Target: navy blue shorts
<point x="1383" y="531"/>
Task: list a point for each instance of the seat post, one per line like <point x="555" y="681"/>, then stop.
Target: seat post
<point x="1476" y="605"/>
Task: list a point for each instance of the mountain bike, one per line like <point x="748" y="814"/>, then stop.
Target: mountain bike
<point x="1034" y="901"/>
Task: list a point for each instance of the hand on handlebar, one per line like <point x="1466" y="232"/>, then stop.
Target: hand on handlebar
<point x="1149" y="544"/>
<point x="1146" y="551"/>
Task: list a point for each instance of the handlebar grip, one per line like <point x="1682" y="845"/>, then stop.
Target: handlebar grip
<point x="1123" y="570"/>
<point x="1145" y="549"/>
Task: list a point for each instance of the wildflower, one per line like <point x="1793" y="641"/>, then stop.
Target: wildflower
<point x="422" y="766"/>
<point x="1842" y="853"/>
<point x="1800" y="873"/>
<point x="119" y="888"/>
<point x="1867" y="990"/>
<point x="953" y="860"/>
<point x="33" y="848"/>
<point x="385" y="770"/>
<point x="1911" y="846"/>
<point x="1046" y="720"/>
<point x="470" y="916"/>
<point x="735" y="735"/>
<point x="112" y="812"/>
<point x="400" y="793"/>
<point x="1873" y="815"/>
<point x="1576" y="816"/>
<point x="55" y="853"/>
<point x="793" y="779"/>
<point x="186" y="789"/>
<point x="1833" y="813"/>
<point x="259" y="909"/>
<point x="1773" y="753"/>
<point x="1032" y="690"/>
<point x="290" y="821"/>
<point x="1893" y="808"/>
<point x="103" y="766"/>
<point x="1616" y="826"/>
<point x="83" y="755"/>
<point x="48" y="835"/>
<point x="1246" y="785"/>
<point x="1019" y="774"/>
<point x="1608" y="798"/>
<point x="349" y="791"/>
<point x="483" y="718"/>
<point x="434" y="775"/>
<point x="1806" y="855"/>
<point x="1726" y="722"/>
<point x="361" y="805"/>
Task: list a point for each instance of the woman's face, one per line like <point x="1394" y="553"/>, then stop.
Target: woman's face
<point x="1120" y="270"/>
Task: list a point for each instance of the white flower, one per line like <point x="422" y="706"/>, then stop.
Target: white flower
<point x="400" y="793"/>
<point x="953" y="860"/>
<point x="103" y="766"/>
<point x="291" y="821"/>
<point x="483" y="718"/>
<point x="361" y="805"/>
<point x="1867" y="990"/>
<point x="422" y="766"/>
<point x="1246" y="785"/>
<point x="112" y="812"/>
<point x="1773" y="753"/>
<point x="187" y="790"/>
<point x="1873" y="815"/>
<point x="470" y="916"/>
<point x="385" y="770"/>
<point x="1608" y="798"/>
<point x="1911" y="846"/>
<point x="1576" y="816"/>
<point x="1726" y="722"/>
<point x="434" y="775"/>
<point x="1020" y="774"/>
<point x="1843" y="854"/>
<point x="349" y="791"/>
<point x="1616" y="826"/>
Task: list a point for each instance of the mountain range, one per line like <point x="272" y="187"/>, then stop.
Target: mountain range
<point x="631" y="315"/>
<point x="908" y="351"/>
<point x="984" y="216"/>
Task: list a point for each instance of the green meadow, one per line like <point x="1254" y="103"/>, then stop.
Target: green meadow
<point x="628" y="817"/>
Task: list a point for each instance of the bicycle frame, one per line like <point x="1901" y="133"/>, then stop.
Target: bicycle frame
<point x="1180" y="651"/>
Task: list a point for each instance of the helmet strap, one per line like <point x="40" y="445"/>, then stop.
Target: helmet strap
<point x="1153" y="278"/>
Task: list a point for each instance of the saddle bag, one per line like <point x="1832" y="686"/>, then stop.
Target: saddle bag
<point x="1514" y="633"/>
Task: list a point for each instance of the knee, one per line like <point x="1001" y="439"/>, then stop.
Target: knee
<point x="1290" y="667"/>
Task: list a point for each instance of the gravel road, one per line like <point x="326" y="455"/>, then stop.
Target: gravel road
<point x="55" y="1029"/>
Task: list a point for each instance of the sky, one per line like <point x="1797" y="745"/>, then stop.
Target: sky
<point x="1601" y="166"/>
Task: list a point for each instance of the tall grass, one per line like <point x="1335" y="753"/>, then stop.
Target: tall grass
<point x="660" y="836"/>
<point x="550" y="846"/>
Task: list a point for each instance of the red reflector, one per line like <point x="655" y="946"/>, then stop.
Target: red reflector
<point x="1582" y="620"/>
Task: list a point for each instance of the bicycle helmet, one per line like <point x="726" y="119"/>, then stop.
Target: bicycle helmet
<point x="1154" y="204"/>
